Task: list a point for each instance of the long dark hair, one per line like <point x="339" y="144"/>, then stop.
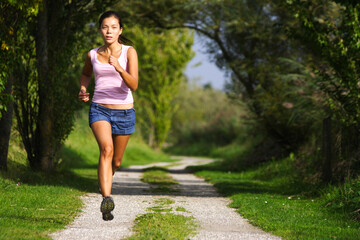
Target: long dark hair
<point x="122" y="39"/>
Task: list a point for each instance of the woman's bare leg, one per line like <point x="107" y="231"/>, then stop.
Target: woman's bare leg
<point x="102" y="133"/>
<point x="120" y="143"/>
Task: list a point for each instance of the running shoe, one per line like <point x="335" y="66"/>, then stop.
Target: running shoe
<point x="107" y="205"/>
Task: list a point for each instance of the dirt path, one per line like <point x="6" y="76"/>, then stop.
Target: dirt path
<point x="132" y="197"/>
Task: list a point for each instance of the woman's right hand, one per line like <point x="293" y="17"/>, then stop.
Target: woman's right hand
<point x="84" y="96"/>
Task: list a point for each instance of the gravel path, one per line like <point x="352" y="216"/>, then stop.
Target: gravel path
<point x="132" y="197"/>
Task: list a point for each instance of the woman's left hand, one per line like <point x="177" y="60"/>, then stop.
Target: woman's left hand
<point x="114" y="62"/>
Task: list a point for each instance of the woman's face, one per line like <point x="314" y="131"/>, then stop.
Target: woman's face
<point x="110" y="30"/>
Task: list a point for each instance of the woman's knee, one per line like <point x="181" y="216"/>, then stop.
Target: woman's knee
<point x="117" y="162"/>
<point x="107" y="151"/>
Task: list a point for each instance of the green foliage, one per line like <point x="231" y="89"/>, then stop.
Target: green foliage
<point x="162" y="59"/>
<point x="319" y="41"/>
<point x="329" y="32"/>
<point x="197" y="121"/>
<point x="246" y="39"/>
<point x="11" y="52"/>
<point x="242" y="37"/>
<point x="331" y="29"/>
<point x="43" y="67"/>
<point x="292" y="104"/>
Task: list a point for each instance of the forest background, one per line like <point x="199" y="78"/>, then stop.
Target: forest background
<point x="294" y="89"/>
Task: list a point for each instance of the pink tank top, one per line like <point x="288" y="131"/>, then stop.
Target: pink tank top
<point x="110" y="88"/>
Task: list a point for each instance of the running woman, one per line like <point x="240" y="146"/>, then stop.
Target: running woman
<point x="111" y="114"/>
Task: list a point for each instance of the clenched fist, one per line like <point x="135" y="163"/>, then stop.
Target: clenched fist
<point x="113" y="61"/>
<point x="84" y="96"/>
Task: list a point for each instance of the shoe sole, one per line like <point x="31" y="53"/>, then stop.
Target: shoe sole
<point x="108" y="216"/>
<point x="106" y="207"/>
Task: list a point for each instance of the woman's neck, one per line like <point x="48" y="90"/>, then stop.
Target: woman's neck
<point x="112" y="47"/>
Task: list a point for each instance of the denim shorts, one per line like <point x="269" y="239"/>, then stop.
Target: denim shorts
<point x="122" y="121"/>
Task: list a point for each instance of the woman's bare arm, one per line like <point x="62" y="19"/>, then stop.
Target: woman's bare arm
<point x="85" y="79"/>
<point x="131" y="77"/>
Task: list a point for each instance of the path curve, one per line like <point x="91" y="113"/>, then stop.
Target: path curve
<point x="132" y="198"/>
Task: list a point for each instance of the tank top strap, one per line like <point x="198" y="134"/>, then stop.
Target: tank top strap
<point x="93" y="54"/>
<point x="125" y="50"/>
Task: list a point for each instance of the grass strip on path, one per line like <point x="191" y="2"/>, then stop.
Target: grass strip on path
<point x="160" y="180"/>
<point x="163" y="225"/>
<point x="161" y="222"/>
<point x="271" y="197"/>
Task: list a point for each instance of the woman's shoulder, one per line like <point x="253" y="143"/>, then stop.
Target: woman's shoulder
<point x="127" y="47"/>
<point x="92" y="53"/>
<point x="95" y="49"/>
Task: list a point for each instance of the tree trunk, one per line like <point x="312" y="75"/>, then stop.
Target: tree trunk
<point x="327" y="150"/>
<point x="44" y="130"/>
<point x="5" y="127"/>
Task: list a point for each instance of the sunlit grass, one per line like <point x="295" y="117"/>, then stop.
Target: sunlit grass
<point x="159" y="225"/>
<point x="271" y="197"/>
<point x="34" y="204"/>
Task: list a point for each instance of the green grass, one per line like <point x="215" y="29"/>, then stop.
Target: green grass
<point x="161" y="222"/>
<point x="39" y="205"/>
<point x="33" y="204"/>
<point x="271" y="197"/>
<point x="160" y="178"/>
<point x="160" y="225"/>
<point x="44" y="203"/>
<point x="164" y="201"/>
<point x="181" y="209"/>
<point x="161" y="206"/>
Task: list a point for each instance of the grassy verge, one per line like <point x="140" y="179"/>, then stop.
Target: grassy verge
<point x="272" y="198"/>
<point x="161" y="222"/>
<point x="33" y="204"/>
